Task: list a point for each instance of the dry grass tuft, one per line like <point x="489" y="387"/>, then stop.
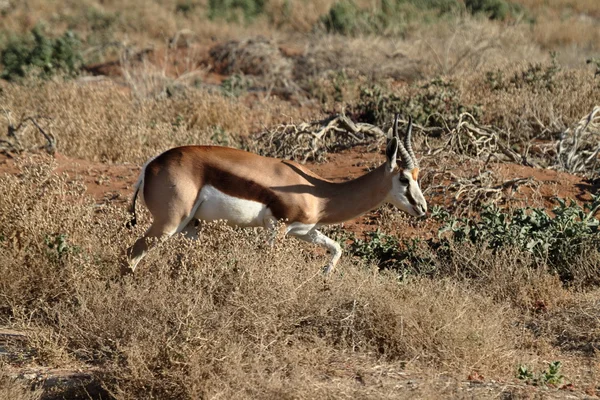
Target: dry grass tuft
<point x="104" y="122"/>
<point x="11" y="388"/>
<point x="375" y="58"/>
<point x="254" y="56"/>
<point x="225" y="315"/>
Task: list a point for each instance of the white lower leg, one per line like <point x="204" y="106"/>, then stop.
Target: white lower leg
<point x="317" y="237"/>
<point x="140" y="248"/>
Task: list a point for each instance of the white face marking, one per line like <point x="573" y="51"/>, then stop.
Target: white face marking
<point x="403" y="187"/>
<point x="216" y="205"/>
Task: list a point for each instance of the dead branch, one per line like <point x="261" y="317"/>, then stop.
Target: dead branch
<point x="14" y="145"/>
<point x="473" y="192"/>
<point x="578" y="147"/>
<point x="475" y="140"/>
<point x="312" y="140"/>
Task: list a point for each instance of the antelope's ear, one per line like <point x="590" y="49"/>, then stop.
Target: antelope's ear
<point x="391" y="152"/>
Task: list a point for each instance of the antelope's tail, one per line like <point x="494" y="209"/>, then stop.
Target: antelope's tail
<point x="138" y="185"/>
<point x="133" y="221"/>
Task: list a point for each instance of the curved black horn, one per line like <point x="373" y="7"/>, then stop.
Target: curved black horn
<point x="408" y="144"/>
<point x="407" y="161"/>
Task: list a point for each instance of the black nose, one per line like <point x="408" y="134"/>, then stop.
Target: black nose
<point x="421" y="210"/>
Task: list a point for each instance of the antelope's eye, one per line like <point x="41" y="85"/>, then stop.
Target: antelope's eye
<point x="403" y="180"/>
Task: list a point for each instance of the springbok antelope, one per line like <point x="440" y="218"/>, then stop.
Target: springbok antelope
<point x="209" y="183"/>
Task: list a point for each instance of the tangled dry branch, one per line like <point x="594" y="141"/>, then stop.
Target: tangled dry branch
<point x="311" y="141"/>
<point x="13" y="144"/>
<point x="579" y="146"/>
<point x="473" y="139"/>
<point x="470" y="193"/>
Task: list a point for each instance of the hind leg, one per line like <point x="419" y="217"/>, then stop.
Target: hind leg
<point x="135" y="253"/>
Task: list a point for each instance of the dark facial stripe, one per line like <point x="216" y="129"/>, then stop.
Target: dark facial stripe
<point x="410" y="197"/>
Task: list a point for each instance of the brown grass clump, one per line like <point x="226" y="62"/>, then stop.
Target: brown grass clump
<point x="11" y="388"/>
<point x="104" y="122"/>
<point x="253" y="56"/>
<point x="540" y="105"/>
<point x="259" y="57"/>
<point x="375" y="58"/>
<point x="465" y="46"/>
<point x="224" y="314"/>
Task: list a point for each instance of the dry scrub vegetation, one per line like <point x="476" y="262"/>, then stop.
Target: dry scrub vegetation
<point x="244" y="321"/>
<point x="407" y="315"/>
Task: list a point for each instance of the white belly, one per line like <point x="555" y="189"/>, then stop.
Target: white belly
<point x="216" y="205"/>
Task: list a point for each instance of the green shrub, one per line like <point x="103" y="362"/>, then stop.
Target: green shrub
<point x="538" y="76"/>
<point x="441" y="6"/>
<point x="236" y="85"/>
<point x="235" y="10"/>
<point x="185" y="7"/>
<point x="550" y="376"/>
<point x="494" y="9"/>
<point x="434" y="103"/>
<point x="48" y="56"/>
<point x="343" y="18"/>
<point x="535" y="77"/>
<point x="388" y="16"/>
<point x="410" y="257"/>
<point x="558" y="241"/>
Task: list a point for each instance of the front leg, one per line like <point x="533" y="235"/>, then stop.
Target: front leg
<point x="315" y="236"/>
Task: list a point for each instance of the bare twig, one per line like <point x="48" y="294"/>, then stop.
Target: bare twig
<point x="578" y="147"/>
<point x="473" y="192"/>
<point x="14" y="145"/>
<point x="311" y="141"/>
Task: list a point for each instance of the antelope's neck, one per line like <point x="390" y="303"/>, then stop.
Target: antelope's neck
<point x="347" y="200"/>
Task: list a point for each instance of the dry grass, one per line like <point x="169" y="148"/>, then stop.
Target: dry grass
<point x="573" y="95"/>
<point x="10" y="388"/>
<point x="580" y="32"/>
<point x="227" y="317"/>
<point x="202" y="319"/>
<point x="463" y="47"/>
<point x="102" y="121"/>
<point x="589" y="7"/>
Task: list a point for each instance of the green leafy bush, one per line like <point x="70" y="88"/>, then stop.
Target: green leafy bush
<point x="441" y="6"/>
<point x="557" y="239"/>
<point x="46" y="55"/>
<point x="494" y="9"/>
<point x="185" y="7"/>
<point x="411" y="257"/>
<point x="235" y="10"/>
<point x="236" y="85"/>
<point x="554" y="240"/>
<point x="388" y="16"/>
<point x="345" y="18"/>
<point x="535" y="77"/>
<point x="434" y="103"/>
<point x="550" y="376"/>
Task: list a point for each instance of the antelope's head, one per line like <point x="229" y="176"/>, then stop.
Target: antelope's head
<point x="404" y="171"/>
